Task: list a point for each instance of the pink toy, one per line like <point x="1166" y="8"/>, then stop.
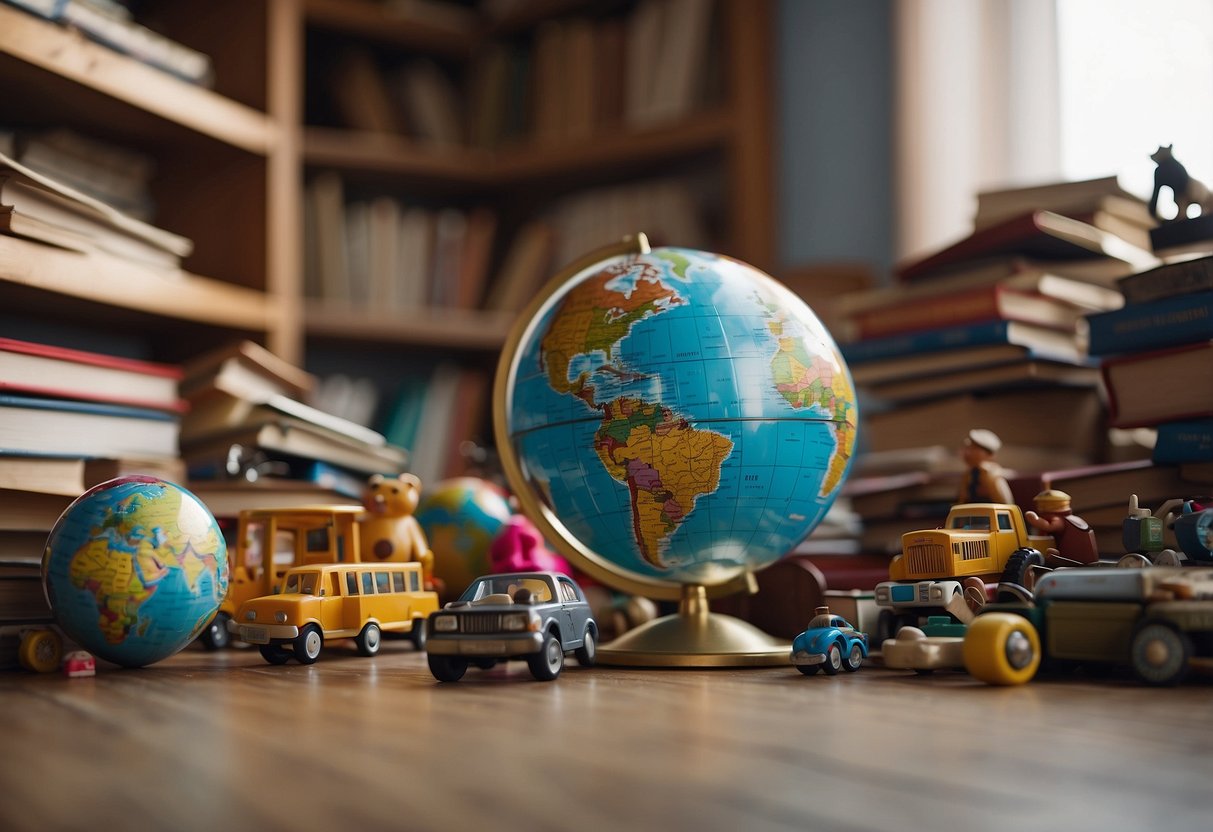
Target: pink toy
<point x="519" y="547"/>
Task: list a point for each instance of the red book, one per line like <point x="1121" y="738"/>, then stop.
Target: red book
<point x="1164" y="385"/>
<point x="982" y="303"/>
<point x="62" y="373"/>
<point x="1040" y="234"/>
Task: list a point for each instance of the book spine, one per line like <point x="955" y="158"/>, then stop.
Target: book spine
<point x="1183" y="319"/>
<point x="1168" y="281"/>
<point x="961" y="308"/>
<point x="929" y="340"/>
<point x="1183" y="442"/>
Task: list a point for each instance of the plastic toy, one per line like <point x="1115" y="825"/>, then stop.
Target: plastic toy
<point x="831" y="644"/>
<point x="983" y="480"/>
<point x="1185" y="189"/>
<point x="938" y="570"/>
<point x="1074" y="536"/>
<point x="519" y="547"/>
<point x="78" y="664"/>
<point x="1144" y="533"/>
<point x="938" y="644"/>
<point x="537" y="616"/>
<point x="1154" y="621"/>
<point x="389" y="529"/>
<point x="344" y="600"/>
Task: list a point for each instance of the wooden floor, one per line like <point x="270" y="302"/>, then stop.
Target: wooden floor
<point x="226" y="742"/>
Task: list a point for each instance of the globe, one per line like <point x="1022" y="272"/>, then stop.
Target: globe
<point x="460" y="517"/>
<point x="672" y="417"/>
<point x="134" y="569"/>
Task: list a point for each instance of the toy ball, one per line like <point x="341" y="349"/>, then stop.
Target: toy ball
<point x="134" y="569"/>
<point x="460" y="518"/>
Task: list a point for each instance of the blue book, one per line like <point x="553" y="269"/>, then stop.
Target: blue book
<point x="1190" y="440"/>
<point x="60" y="427"/>
<point x="1047" y="341"/>
<point x="1168" y="322"/>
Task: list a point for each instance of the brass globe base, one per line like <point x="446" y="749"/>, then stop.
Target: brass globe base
<point x="695" y="637"/>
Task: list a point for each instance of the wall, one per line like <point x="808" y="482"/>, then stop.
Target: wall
<point x="834" y="175"/>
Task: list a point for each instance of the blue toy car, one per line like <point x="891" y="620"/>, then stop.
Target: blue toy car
<point x="830" y="643"/>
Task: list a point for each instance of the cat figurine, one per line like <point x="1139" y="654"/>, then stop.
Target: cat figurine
<point x="1185" y="189"/>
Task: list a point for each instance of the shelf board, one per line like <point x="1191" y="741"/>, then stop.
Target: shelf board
<point x="72" y="57"/>
<point x="93" y="278"/>
<point x="352" y="150"/>
<point x="428" y="27"/>
<point x="452" y="328"/>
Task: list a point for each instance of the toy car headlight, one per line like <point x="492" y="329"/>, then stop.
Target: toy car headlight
<point x="514" y="622"/>
<point x="251" y="615"/>
<point x="446" y="624"/>
<point x="280" y="617"/>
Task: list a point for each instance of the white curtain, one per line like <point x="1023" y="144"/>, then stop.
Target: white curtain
<point x="977" y="108"/>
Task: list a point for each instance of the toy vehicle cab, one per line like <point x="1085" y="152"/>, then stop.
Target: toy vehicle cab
<point x="830" y="643"/>
<point x="537" y="616"/>
<point x="344" y="600"/>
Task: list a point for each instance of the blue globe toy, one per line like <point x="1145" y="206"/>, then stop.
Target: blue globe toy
<point x="134" y="570"/>
<point x="673" y="419"/>
<point x="460" y="517"/>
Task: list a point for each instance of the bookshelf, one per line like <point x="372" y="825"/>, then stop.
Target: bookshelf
<point x="234" y="164"/>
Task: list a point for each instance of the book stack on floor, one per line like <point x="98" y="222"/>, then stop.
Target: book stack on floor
<point x="250" y="442"/>
<point x="1157" y="362"/>
<point x="70" y="419"/>
<point x="987" y="332"/>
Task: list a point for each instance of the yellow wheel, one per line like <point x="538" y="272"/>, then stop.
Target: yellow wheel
<point x="1001" y="648"/>
<point x="40" y="651"/>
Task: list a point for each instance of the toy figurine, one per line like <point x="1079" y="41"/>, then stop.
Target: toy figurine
<point x="983" y="480"/>
<point x="519" y="547"/>
<point x="1075" y="538"/>
<point x="390" y="531"/>
<point x="1185" y="190"/>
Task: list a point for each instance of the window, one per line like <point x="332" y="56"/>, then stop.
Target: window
<point x="368" y="583"/>
<point x="351" y="583"/>
<point x="398" y="581"/>
<point x="1004" y="521"/>
<point x="383" y="582"/>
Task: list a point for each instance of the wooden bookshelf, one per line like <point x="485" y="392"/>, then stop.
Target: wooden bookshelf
<point x="437" y="328"/>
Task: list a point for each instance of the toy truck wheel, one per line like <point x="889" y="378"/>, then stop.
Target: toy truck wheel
<point x="447" y="668"/>
<point x="40" y="651"/>
<point x="1159" y="653"/>
<point x="1002" y="649"/>
<point x="275" y="653"/>
<point x="854" y="659"/>
<point x="418" y="634"/>
<point x="587" y="653"/>
<point x="549" y="661"/>
<point x="369" y="639"/>
<point x="216" y="635"/>
<point x="833" y="662"/>
<point x="1019" y="571"/>
<point x="308" y="643"/>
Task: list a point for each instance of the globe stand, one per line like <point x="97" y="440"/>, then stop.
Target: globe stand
<point x="695" y="637"/>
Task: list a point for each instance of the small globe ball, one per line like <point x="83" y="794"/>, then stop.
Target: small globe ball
<point x="461" y="517"/>
<point x="134" y="569"/>
<point x="675" y="417"/>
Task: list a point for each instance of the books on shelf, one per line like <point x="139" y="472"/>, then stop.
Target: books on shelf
<point x="31" y="511"/>
<point x="958" y="358"/>
<point x="1168" y="321"/>
<point x="35" y="425"/>
<point x="1073" y="197"/>
<point x="52" y="371"/>
<point x="1186" y="276"/>
<point x="526" y="267"/>
<point x="1147" y="388"/>
<point x="72" y="476"/>
<point x="291" y="437"/>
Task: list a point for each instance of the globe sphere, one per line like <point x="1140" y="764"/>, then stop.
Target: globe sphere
<point x="673" y="416"/>
<point x="460" y="517"/>
<point x="134" y="569"/>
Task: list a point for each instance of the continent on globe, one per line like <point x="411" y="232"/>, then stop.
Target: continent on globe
<point x="665" y="462"/>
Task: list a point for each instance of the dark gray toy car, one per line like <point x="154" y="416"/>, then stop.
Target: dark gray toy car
<point x="537" y="616"/>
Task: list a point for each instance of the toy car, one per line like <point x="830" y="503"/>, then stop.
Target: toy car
<point x="830" y="643"/>
<point x="537" y="616"/>
<point x="79" y="663"/>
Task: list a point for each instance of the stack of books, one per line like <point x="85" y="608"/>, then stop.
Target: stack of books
<point x="250" y="442"/>
<point x="1157" y="360"/>
<point x="70" y="419"/>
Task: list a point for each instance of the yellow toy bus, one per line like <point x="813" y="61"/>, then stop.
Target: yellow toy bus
<point x="336" y="600"/>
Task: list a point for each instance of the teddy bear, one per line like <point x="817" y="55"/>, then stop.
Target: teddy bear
<point x="389" y="530"/>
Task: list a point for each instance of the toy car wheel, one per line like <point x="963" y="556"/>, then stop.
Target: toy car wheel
<point x="587" y="653"/>
<point x="1168" y="557"/>
<point x="808" y="669"/>
<point x="549" y="661"/>
<point x="369" y="639"/>
<point x="1002" y="649"/>
<point x="275" y="653"/>
<point x="447" y="668"/>
<point x="308" y="643"/>
<point x="216" y="635"/>
<point x="40" y="651"/>
<point x="1133" y="561"/>
<point x="833" y="662"/>
<point x="1020" y="571"/>
<point x="1159" y="653"/>
<point x="854" y="659"/>
<point x="418" y="634"/>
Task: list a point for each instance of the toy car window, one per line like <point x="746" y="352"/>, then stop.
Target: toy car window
<point x="308" y="583"/>
<point x="383" y="582"/>
<point x="414" y="582"/>
<point x="398" y="581"/>
<point x="351" y="583"/>
<point x="1004" y="521"/>
<point x="292" y="583"/>
<point x="566" y="592"/>
<point x="972" y="523"/>
<point x="368" y="583"/>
